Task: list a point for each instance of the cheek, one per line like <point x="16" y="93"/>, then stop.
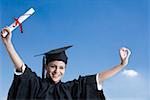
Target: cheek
<point x="63" y="71"/>
<point x="50" y="70"/>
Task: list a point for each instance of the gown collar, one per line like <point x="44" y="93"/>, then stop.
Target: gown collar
<point x="49" y="80"/>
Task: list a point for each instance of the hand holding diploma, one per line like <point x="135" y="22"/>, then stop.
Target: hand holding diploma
<point x="6" y="35"/>
<point x="6" y="39"/>
<point x="18" y="22"/>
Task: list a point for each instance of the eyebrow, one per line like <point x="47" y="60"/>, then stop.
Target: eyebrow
<point x="62" y="66"/>
<point x="56" y="65"/>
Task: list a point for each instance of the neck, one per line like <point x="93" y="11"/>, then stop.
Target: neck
<point x="50" y="80"/>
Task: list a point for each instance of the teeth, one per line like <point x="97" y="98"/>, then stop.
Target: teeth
<point x="55" y="75"/>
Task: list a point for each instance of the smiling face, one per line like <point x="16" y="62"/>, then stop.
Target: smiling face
<point x="56" y="70"/>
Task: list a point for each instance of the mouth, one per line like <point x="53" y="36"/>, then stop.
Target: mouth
<point x="55" y="75"/>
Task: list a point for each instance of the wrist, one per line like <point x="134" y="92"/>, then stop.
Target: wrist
<point x="123" y="64"/>
<point x="7" y="43"/>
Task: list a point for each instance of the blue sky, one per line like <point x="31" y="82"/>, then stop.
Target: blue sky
<point x="96" y="28"/>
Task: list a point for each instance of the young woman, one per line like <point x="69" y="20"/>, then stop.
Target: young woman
<point x="27" y="85"/>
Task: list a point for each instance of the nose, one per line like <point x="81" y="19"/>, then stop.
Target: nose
<point x="56" y="70"/>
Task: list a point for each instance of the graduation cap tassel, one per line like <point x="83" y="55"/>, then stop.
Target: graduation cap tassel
<point x="43" y="68"/>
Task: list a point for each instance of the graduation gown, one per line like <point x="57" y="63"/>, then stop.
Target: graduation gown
<point x="29" y="86"/>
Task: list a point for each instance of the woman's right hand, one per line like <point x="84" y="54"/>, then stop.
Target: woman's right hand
<point x="6" y="39"/>
<point x="18" y="63"/>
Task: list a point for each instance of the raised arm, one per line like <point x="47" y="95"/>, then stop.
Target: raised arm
<point x="18" y="63"/>
<point x="124" y="56"/>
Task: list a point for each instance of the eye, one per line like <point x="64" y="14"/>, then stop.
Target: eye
<point x="52" y="66"/>
<point x="61" y="67"/>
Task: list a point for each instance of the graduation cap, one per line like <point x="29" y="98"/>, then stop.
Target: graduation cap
<point x="52" y="55"/>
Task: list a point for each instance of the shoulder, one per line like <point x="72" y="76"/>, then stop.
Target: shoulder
<point x="88" y="79"/>
<point x="28" y="74"/>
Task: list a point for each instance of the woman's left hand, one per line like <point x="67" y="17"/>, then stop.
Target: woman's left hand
<point x="124" y="55"/>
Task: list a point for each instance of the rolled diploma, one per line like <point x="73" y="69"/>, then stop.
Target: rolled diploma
<point x="20" y="19"/>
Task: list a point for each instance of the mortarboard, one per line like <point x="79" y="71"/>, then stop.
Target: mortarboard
<point x="55" y="54"/>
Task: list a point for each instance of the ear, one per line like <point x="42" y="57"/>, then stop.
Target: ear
<point x="46" y="66"/>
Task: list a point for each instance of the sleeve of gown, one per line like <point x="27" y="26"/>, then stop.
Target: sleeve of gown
<point x="99" y="83"/>
<point x="86" y="88"/>
<point x="24" y="86"/>
<point x="20" y="73"/>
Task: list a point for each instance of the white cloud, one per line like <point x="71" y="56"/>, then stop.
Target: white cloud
<point x="130" y="73"/>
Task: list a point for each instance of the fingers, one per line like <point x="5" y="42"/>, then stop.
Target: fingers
<point x="129" y="53"/>
<point x="125" y="51"/>
<point x="5" y="31"/>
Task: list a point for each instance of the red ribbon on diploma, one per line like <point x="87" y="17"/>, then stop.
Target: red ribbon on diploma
<point x="20" y="25"/>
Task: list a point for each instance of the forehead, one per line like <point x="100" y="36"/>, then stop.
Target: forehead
<point x="56" y="62"/>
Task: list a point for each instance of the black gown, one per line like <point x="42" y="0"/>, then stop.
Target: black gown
<point x="29" y="86"/>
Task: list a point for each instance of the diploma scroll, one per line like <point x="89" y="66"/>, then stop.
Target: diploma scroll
<point x="22" y="18"/>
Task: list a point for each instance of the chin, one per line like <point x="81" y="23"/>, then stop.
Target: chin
<point x="56" y="80"/>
